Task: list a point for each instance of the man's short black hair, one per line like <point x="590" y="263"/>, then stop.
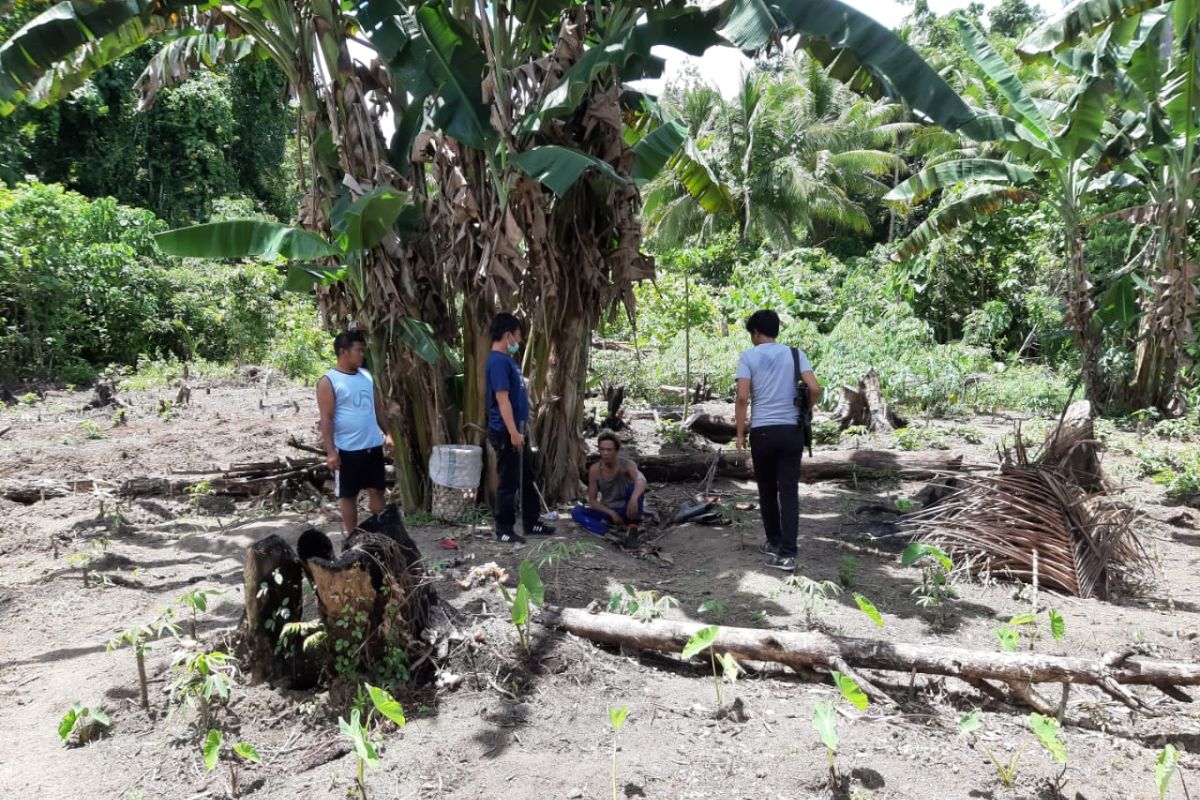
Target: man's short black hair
<point x="608" y="436"/>
<point x="504" y="323"/>
<point x="346" y="339"/>
<point x="765" y="322"/>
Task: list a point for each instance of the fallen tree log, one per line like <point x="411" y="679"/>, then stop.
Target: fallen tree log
<point x="803" y="651"/>
<point x="712" y="427"/>
<point x="826" y="466"/>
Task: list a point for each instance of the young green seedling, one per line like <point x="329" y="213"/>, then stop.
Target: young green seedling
<point x="197" y="601"/>
<point x="935" y="588"/>
<point x="364" y="750"/>
<point x="1164" y="769"/>
<point x="1049" y="734"/>
<point x="814" y="595"/>
<point x="825" y="721"/>
<point x="616" y="718"/>
<point x="137" y="637"/>
<point x="555" y="554"/>
<point x="868" y="608"/>
<point x="202" y="676"/>
<point x="1007" y="772"/>
<point x="642" y="605"/>
<point x="702" y="640"/>
<point x="243" y="752"/>
<point x="81" y="721"/>
<point x="530" y="589"/>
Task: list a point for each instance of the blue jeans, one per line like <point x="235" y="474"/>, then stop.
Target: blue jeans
<point x="585" y="515"/>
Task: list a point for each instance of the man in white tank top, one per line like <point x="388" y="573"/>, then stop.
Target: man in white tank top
<point x="352" y="429"/>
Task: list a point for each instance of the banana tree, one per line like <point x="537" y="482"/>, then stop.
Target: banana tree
<point x="1156" y="45"/>
<point x="1057" y="153"/>
<point x="514" y="143"/>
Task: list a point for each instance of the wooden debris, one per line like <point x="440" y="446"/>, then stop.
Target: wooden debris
<point x="825" y="466"/>
<point x="712" y="427"/>
<point x="816" y="649"/>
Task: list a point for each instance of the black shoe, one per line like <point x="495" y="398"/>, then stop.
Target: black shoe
<point x="540" y="529"/>
<point x="768" y="549"/>
<point x="782" y="563"/>
<point x="510" y="537"/>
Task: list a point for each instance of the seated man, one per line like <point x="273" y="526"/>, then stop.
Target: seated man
<point x="616" y="492"/>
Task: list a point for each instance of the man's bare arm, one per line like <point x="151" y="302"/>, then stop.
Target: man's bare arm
<point x="506" y="414"/>
<point x="814" y="388"/>
<point x="740" y="405"/>
<point x="325" y="406"/>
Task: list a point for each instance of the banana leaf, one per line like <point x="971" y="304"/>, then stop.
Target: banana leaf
<point x="362" y="224"/>
<point x="559" y="168"/>
<point x="968" y="208"/>
<point x="655" y="149"/>
<point x="1078" y="20"/>
<point x="951" y="173"/>
<point x="244" y="238"/>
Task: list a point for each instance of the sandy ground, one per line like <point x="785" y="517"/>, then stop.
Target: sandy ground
<point x="538" y="726"/>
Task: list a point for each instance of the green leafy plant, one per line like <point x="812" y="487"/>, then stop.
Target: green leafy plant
<point x="855" y="434"/>
<point x="1049" y="734"/>
<point x="1058" y="625"/>
<point x="202" y="678"/>
<point x="814" y="595"/>
<point x="29" y="399"/>
<point x="850" y="690"/>
<point x="364" y="749"/>
<point x="616" y="719"/>
<point x="826" y="431"/>
<point x="847" y="571"/>
<point x="554" y="553"/>
<point x="196" y="601"/>
<point x="934" y="589"/>
<point x="824" y="720"/>
<point x="1164" y="769"/>
<point x="713" y="608"/>
<point x="91" y="430"/>
<point x="1006" y="771"/>
<point x="530" y="589"/>
<point x="83" y="560"/>
<point x="673" y="433"/>
<point x="82" y="721"/>
<point x="904" y="505"/>
<point x="868" y="608"/>
<point x="643" y="605"/>
<point x="243" y="753"/>
<point x="702" y="640"/>
<point x="137" y="638"/>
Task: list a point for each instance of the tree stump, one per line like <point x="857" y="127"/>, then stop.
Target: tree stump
<point x="866" y="406"/>
<point x="712" y="427"/>
<point x="274" y="597"/>
<point x="1072" y="447"/>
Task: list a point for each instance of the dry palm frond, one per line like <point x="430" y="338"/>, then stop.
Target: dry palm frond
<point x="997" y="523"/>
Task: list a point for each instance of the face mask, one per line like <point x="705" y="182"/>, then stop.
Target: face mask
<point x="513" y="348"/>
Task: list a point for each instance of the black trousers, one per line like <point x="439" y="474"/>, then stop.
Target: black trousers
<point x="776" y="450"/>
<point x="513" y="474"/>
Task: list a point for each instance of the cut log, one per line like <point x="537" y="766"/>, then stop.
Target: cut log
<point x="825" y="466"/>
<point x="273" y="597"/>
<point x="712" y="427"/>
<point x="104" y="394"/>
<point x="815" y="649"/>
<point x="34" y="489"/>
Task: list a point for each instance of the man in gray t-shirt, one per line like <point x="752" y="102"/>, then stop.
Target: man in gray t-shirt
<point x="766" y="379"/>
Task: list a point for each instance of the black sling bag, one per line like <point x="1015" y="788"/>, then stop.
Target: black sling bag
<point x="803" y="403"/>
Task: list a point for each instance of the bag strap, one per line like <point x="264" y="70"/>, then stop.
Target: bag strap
<point x="795" y="367"/>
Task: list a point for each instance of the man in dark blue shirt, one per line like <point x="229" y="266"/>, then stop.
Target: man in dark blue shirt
<point x="508" y="420"/>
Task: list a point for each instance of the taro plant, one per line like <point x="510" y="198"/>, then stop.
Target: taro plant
<point x="243" y="753"/>
<point x="82" y="721"/>
<point x="868" y="608"/>
<point x="935" y="589"/>
<point x="1009" y="635"/>
<point x="196" y="602"/>
<point x="203" y="677"/>
<point x="713" y="608"/>
<point x="530" y="589"/>
<point x="1006" y="771"/>
<point x="704" y="639"/>
<point x="616" y="718"/>
<point x="358" y="729"/>
<point x="1049" y="734"/>
<point x="137" y="637"/>
<point x="824" y="720"/>
<point x="1165" y="767"/>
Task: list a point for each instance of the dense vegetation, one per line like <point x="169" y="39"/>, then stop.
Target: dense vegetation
<point x="1038" y="232"/>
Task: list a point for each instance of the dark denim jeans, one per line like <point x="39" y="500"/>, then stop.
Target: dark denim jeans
<point x="514" y="473"/>
<point x="776" y="450"/>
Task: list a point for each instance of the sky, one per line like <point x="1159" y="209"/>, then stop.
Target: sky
<point x="723" y="66"/>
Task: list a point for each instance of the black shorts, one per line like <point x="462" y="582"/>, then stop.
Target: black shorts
<point x="361" y="469"/>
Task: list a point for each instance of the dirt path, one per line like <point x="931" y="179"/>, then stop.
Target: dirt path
<point x="538" y="727"/>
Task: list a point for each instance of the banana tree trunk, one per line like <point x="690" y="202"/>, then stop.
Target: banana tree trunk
<point x="1081" y="310"/>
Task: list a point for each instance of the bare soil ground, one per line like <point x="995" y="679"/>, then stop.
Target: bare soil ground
<point x="537" y="726"/>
